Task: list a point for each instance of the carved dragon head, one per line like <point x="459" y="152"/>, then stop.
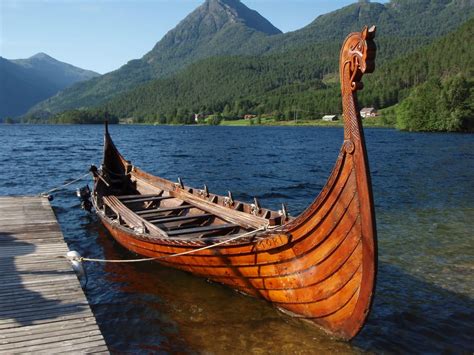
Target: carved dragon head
<point x="357" y="58"/>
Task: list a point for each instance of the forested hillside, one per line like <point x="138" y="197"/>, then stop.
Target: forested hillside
<point x="438" y="105"/>
<point x="450" y="55"/>
<point x="423" y="80"/>
<point x="228" y="27"/>
<point x="234" y="86"/>
<point x="298" y="80"/>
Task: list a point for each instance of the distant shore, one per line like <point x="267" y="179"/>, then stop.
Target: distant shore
<point x="368" y="122"/>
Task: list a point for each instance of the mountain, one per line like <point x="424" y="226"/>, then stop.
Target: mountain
<point x="60" y="73"/>
<point x="227" y="27"/>
<point x="217" y="27"/>
<point x="277" y="84"/>
<point x="21" y="88"/>
<point x="26" y="82"/>
<point x="401" y="18"/>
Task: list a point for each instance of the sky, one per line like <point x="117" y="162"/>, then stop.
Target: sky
<point x="103" y="35"/>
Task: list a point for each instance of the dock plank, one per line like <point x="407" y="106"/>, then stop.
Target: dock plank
<point x="42" y="305"/>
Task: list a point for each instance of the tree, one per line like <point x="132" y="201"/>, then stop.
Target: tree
<point x="438" y="106"/>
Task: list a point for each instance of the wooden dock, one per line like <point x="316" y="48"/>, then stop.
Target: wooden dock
<point x="42" y="305"/>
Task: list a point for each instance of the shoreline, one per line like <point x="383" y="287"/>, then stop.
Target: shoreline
<point x="300" y="123"/>
<point x="232" y="124"/>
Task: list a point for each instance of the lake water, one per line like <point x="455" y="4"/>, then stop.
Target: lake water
<point x="424" y="196"/>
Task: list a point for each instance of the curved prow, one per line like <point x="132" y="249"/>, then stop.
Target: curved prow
<point x="341" y="221"/>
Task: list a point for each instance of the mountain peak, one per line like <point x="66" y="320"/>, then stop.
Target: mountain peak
<point x="235" y="11"/>
<point x="225" y="2"/>
<point x="41" y="55"/>
<point x="216" y="27"/>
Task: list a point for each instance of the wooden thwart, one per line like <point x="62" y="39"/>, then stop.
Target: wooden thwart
<point x="131" y="218"/>
<point x="165" y="209"/>
<point x="125" y="197"/>
<point x="243" y="219"/>
<point x="202" y="229"/>
<point x="181" y="218"/>
<point x="145" y="199"/>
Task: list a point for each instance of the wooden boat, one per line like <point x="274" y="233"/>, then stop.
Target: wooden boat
<point x="319" y="266"/>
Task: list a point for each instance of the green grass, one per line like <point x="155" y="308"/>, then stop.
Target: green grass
<point x="235" y="123"/>
<point x="368" y="122"/>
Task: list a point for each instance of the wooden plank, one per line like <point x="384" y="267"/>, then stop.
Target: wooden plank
<point x="65" y="329"/>
<point x="124" y="197"/>
<point x="14" y="326"/>
<point x="133" y="220"/>
<point x="147" y="199"/>
<point x="243" y="219"/>
<point x="44" y="289"/>
<point x="39" y="287"/>
<point x="29" y="279"/>
<point x="22" y="248"/>
<point x="42" y="305"/>
<point x="97" y="350"/>
<point x="18" y="333"/>
<point x="35" y="300"/>
<point x="183" y="231"/>
<point x="18" y="306"/>
<point x="76" y="347"/>
<point x="43" y="317"/>
<point x="41" y="237"/>
<point x="166" y="209"/>
<point x="66" y="342"/>
<point x="29" y="282"/>
<point x="27" y="264"/>
<point x="180" y="218"/>
<point x="58" y="336"/>
<point x="30" y="228"/>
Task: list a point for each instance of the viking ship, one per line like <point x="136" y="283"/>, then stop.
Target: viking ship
<point x="319" y="266"/>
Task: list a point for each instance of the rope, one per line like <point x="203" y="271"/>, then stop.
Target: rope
<point x="63" y="186"/>
<point x="172" y="255"/>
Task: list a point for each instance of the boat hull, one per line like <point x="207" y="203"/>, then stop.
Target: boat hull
<point x="318" y="267"/>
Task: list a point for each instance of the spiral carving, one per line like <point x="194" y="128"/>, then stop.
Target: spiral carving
<point x="349" y="147"/>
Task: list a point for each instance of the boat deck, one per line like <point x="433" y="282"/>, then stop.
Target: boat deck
<point x="167" y="216"/>
<point x="42" y="305"/>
